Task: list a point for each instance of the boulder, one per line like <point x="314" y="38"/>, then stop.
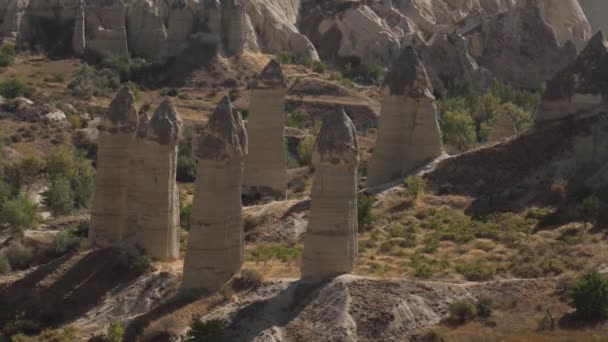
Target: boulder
<point x="114" y="150"/>
<point x="581" y="88"/>
<point x="216" y="241"/>
<point x="408" y="131"/>
<point x="330" y="243"/>
<point x="266" y="163"/>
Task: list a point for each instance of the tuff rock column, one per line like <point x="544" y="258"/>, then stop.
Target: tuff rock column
<point x="265" y="166"/>
<point x="116" y="139"/>
<point x="330" y="244"/>
<point x="78" y="38"/>
<point x="233" y="22"/>
<point x="158" y="220"/>
<point x="408" y="132"/>
<point x="216" y="242"/>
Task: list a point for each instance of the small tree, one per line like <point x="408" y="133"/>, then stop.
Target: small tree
<point x="459" y="129"/>
<point x="590" y="296"/>
<point x="415" y="186"/>
<point x="364" y="211"/>
<point x="21" y="213"/>
<point x="305" y="150"/>
<point x="589" y="209"/>
<point x="209" y="331"/>
<point x="462" y="311"/>
<point x="59" y="198"/>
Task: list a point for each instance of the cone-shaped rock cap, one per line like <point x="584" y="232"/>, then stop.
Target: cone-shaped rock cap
<point x="337" y="140"/>
<point x="271" y="77"/>
<point x="587" y="74"/>
<point x="407" y="76"/>
<point x="122" y="113"/>
<point x="220" y="140"/>
<point x="165" y="125"/>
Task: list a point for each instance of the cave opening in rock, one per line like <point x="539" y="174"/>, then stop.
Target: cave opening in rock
<point x="52" y="36"/>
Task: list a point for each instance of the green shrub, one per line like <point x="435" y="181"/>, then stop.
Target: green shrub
<point x="59" y="198"/>
<point x="458" y="129"/>
<point x="185" y="211"/>
<point x="114" y="333"/>
<point x="19" y="256"/>
<point x="13" y="87"/>
<point x="476" y="271"/>
<point x="21" y="213"/>
<point x="590" y="297"/>
<point x="266" y="252"/>
<point x="462" y="311"/>
<point x="318" y="67"/>
<point x="7" y="55"/>
<point x="363" y="73"/>
<point x="422" y="270"/>
<point x="365" y="217"/>
<point x="590" y="209"/>
<point x="305" y="150"/>
<point x="484" y="307"/>
<point x="63" y="163"/>
<point x="209" y="331"/>
<point x="415" y="186"/>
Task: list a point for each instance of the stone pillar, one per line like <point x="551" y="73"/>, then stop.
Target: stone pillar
<point x="216" y="242"/>
<point x="330" y="243"/>
<point x="233" y="22"/>
<point x="266" y="163"/>
<point x="116" y="139"/>
<point x="158" y="220"/>
<point x="502" y="128"/>
<point x="408" y="132"/>
<point x="78" y="38"/>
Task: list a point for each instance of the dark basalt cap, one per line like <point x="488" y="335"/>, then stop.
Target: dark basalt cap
<point x="587" y="74"/>
<point x="407" y="76"/>
<point x="221" y="138"/>
<point x="165" y="125"/>
<point x="122" y="113"/>
<point x="337" y="140"/>
<point x="271" y="77"/>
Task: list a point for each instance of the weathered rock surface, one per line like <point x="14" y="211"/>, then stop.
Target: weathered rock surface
<point x="504" y="127"/>
<point x="146" y="31"/>
<point x="105" y="26"/>
<point x="157" y="229"/>
<point x="596" y="12"/>
<point x="567" y="19"/>
<point x="266" y="163"/>
<point x="216" y="242"/>
<point x="78" y="38"/>
<point x="408" y="132"/>
<point x="581" y="88"/>
<point x="116" y="139"/>
<point x="330" y="244"/>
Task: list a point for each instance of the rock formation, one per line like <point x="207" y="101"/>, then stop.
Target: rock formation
<point x="216" y="241"/>
<point x="158" y="220"/>
<point x="581" y="88"/>
<point x="596" y="12"/>
<point x="408" y="131"/>
<point x="233" y="22"/>
<point x="78" y="38"/>
<point x="138" y="172"/>
<point x="146" y="32"/>
<point x="116" y="138"/>
<point x="567" y="19"/>
<point x="504" y="127"/>
<point x="266" y="163"/>
<point x="105" y="27"/>
<point x="330" y="244"/>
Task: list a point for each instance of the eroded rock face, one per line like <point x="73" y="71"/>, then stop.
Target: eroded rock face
<point x="408" y="131"/>
<point x="116" y="139"/>
<point x="581" y="88"/>
<point x="330" y="244"/>
<point x="567" y="19"/>
<point x="157" y="229"/>
<point x="78" y="38"/>
<point x="146" y="31"/>
<point x="504" y="127"/>
<point x="216" y="241"/>
<point x="233" y="21"/>
<point x="519" y="47"/>
<point x="105" y="26"/>
<point x="266" y="163"/>
<point x="596" y="12"/>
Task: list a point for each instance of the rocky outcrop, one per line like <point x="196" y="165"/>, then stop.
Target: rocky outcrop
<point x="216" y="241"/>
<point x="158" y="221"/>
<point x="504" y="127"/>
<point x="266" y="163"/>
<point x="146" y="32"/>
<point x="105" y="27"/>
<point x="116" y="139"/>
<point x="330" y="244"/>
<point x="596" y="12"/>
<point x="408" y="131"/>
<point x="233" y="22"/>
<point x="519" y="47"/>
<point x="13" y="21"/>
<point x="567" y="19"/>
<point x="581" y="88"/>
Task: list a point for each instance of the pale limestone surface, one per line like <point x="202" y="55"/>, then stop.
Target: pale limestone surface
<point x="504" y="127"/>
<point x="216" y="241"/>
<point x="330" y="243"/>
<point x="408" y="131"/>
<point x="116" y="138"/>
<point x="157" y="228"/>
<point x="266" y="163"/>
